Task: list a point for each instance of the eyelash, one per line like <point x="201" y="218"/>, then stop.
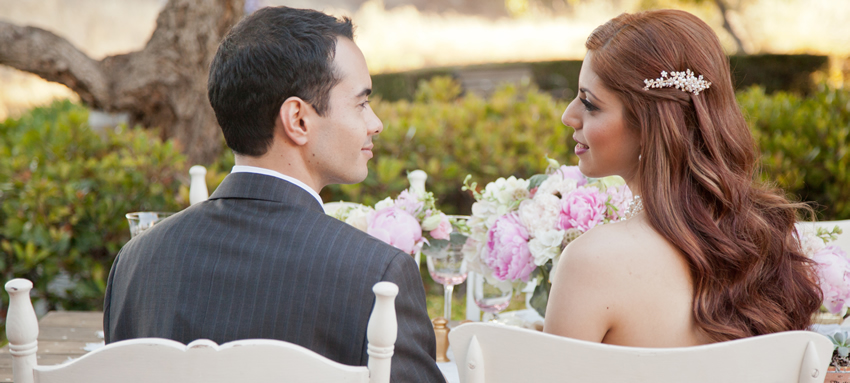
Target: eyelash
<point x="364" y="103"/>
<point x="588" y="106"/>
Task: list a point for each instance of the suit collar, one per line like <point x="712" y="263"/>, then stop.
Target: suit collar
<point x="264" y="188"/>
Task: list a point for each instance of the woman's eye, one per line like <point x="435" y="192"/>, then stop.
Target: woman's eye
<point x="587" y="105"/>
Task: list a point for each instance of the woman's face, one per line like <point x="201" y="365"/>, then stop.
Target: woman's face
<point x="605" y="145"/>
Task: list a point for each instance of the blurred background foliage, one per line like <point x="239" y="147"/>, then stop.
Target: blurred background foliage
<point x="65" y="188"/>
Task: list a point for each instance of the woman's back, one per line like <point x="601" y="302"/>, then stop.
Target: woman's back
<point x="624" y="284"/>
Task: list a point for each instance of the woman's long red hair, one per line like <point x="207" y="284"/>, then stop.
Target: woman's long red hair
<point x="697" y="177"/>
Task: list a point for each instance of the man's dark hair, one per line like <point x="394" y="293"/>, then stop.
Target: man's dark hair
<point x="272" y="55"/>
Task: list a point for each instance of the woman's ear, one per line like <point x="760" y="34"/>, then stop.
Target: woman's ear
<point x="293" y="116"/>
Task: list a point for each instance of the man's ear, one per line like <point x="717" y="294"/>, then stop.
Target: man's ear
<point x="294" y="114"/>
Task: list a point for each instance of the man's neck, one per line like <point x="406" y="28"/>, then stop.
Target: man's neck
<point x="292" y="167"/>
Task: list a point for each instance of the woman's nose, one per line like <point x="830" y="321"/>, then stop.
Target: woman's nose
<point x="572" y="116"/>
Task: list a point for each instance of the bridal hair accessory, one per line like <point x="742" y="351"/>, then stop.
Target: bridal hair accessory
<point x="634" y="208"/>
<point x="684" y="81"/>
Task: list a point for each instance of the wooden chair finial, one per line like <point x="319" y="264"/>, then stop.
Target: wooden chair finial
<point x="21" y="329"/>
<point x="382" y="332"/>
<point x="198" y="184"/>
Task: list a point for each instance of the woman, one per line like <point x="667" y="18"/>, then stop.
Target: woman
<point x="707" y="255"/>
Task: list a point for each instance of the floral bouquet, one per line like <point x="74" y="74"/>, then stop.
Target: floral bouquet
<point x="407" y="222"/>
<point x="833" y="266"/>
<point x="833" y="273"/>
<point x="518" y="227"/>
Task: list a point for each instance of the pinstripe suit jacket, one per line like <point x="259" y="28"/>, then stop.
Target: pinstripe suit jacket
<point x="260" y="259"/>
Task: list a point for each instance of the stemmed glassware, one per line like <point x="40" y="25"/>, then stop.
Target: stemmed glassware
<point x="445" y="260"/>
<point x="491" y="298"/>
<point x="143" y="220"/>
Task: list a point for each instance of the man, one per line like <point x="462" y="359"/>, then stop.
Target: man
<point x="260" y="259"/>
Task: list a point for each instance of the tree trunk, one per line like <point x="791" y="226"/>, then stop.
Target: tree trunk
<point x="164" y="85"/>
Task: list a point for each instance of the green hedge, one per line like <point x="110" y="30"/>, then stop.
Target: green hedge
<point x="805" y="144"/>
<point x="773" y="72"/>
<point x="64" y="192"/>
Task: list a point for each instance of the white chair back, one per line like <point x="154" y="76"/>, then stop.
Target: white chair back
<point x="162" y="360"/>
<point x="198" y="184"/>
<point x="497" y="353"/>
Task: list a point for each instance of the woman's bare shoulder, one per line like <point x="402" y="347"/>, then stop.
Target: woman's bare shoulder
<point x="623" y="251"/>
<point x="613" y="239"/>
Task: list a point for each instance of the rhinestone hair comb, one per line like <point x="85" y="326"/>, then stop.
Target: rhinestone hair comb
<point x="684" y="81"/>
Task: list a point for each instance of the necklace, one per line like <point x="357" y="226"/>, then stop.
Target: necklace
<point x="635" y="207"/>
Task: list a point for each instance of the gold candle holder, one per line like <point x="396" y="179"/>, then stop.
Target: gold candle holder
<point x="441" y="332"/>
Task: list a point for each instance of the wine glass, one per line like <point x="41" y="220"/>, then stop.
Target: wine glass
<point x="445" y="261"/>
<point x="491" y="298"/>
<point x="143" y="220"/>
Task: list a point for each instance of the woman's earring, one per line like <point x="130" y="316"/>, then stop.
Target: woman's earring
<point x="639" y="157"/>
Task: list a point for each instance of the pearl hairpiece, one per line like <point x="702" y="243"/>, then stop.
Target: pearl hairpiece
<point x="685" y="81"/>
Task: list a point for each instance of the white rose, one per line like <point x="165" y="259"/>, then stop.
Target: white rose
<point x="546" y="246"/>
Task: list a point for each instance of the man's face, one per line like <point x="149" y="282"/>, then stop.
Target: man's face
<point x="343" y="142"/>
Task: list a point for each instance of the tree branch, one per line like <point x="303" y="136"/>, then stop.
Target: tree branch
<point x="728" y="27"/>
<point x="53" y="58"/>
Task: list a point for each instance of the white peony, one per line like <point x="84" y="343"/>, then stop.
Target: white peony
<point x="556" y="184"/>
<point x="385" y="203"/>
<point x="358" y="217"/>
<point x="540" y="213"/>
<point x="810" y="243"/>
<point x="546" y="246"/>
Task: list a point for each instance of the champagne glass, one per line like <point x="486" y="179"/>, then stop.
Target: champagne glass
<point x="491" y="298"/>
<point x="445" y="261"/>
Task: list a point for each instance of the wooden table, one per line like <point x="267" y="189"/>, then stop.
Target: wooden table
<point x="61" y="335"/>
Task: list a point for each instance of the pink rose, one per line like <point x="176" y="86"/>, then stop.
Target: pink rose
<point x="443" y="229"/>
<point x="507" y="252"/>
<point x="572" y="172"/>
<point x="582" y="209"/>
<point x="397" y="228"/>
<point x="834" y="275"/>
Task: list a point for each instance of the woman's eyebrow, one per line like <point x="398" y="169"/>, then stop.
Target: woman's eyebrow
<point x="584" y="90"/>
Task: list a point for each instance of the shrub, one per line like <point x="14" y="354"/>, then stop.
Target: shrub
<point x="449" y="137"/>
<point x="64" y="192"/>
<point x="805" y="144"/>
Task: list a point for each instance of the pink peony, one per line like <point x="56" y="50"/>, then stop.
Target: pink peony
<point x="620" y="197"/>
<point x="409" y="202"/>
<point x="507" y="252"/>
<point x="396" y="227"/>
<point x="834" y="275"/>
<point x="582" y="209"/>
<point x="443" y="229"/>
<point x="572" y="172"/>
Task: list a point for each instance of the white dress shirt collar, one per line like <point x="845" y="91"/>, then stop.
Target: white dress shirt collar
<point x="269" y="172"/>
